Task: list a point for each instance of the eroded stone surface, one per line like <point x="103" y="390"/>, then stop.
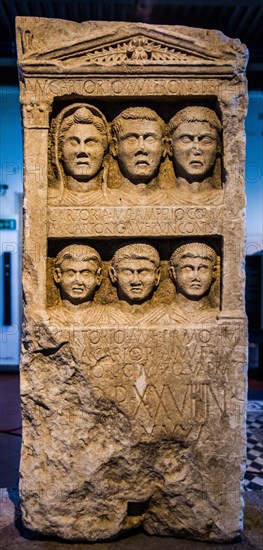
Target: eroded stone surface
<point x="134" y="349"/>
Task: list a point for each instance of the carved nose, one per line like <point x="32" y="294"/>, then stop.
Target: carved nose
<point x="196" y="145"/>
<point x="141" y="144"/>
<point x="135" y="278"/>
<point x="82" y="150"/>
<point x="196" y="275"/>
<point x="77" y="277"/>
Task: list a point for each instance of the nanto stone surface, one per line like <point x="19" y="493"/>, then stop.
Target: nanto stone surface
<point x="134" y="348"/>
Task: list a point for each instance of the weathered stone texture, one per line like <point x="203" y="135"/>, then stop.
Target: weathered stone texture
<point x="134" y="351"/>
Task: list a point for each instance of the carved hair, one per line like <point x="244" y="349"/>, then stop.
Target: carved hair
<point x="193" y="250"/>
<point x="136" y="251"/>
<point x="135" y="113"/>
<point x="77" y="253"/>
<point x="83" y="115"/>
<point x="194" y="114"/>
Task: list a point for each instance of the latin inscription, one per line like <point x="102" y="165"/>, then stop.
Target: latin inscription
<point x="79" y="222"/>
<point x="43" y="88"/>
<point x="167" y="381"/>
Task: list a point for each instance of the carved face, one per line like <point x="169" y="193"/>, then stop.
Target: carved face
<point x="193" y="276"/>
<point x="139" y="148"/>
<point x="82" y="151"/>
<point x="78" y="280"/>
<point x="135" y="278"/>
<point x="195" y="147"/>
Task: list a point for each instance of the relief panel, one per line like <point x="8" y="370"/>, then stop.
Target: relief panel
<point x="134" y="347"/>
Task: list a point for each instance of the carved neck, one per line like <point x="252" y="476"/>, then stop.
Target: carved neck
<point x="195" y="186"/>
<point x="75" y="307"/>
<point x="192" y="305"/>
<point x="138" y="187"/>
<point x="84" y="186"/>
<point x="134" y="308"/>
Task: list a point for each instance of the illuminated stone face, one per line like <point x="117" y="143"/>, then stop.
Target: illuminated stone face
<point x="82" y="151"/>
<point x="194" y="147"/>
<point x="194" y="276"/>
<point x="136" y="279"/>
<point x="140" y="148"/>
<point x="77" y="273"/>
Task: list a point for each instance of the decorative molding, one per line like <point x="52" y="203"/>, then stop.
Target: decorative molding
<point x="121" y="48"/>
<point x="139" y="51"/>
<point x="36" y="114"/>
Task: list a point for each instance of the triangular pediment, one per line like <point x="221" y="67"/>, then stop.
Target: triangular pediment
<point x="138" y="49"/>
<point x="128" y="45"/>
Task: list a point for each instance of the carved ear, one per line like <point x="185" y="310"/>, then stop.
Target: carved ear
<point x="57" y="275"/>
<point x="172" y="273"/>
<point x="214" y="273"/>
<point x="165" y="147"/>
<point x="157" y="276"/>
<point x="99" y="276"/>
<point x="112" y="275"/>
<point x="114" y="147"/>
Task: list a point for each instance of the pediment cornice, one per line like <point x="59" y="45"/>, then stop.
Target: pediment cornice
<point x="123" y="48"/>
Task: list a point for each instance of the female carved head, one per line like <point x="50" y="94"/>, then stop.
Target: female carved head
<point x="79" y="141"/>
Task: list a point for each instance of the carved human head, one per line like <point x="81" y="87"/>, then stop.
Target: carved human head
<point x="82" y="142"/>
<point x="139" y="143"/>
<point x="193" y="269"/>
<point x="77" y="273"/>
<point x="195" y="134"/>
<point x="135" y="271"/>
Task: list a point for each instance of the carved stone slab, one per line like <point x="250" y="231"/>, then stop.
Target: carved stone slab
<point x="134" y="348"/>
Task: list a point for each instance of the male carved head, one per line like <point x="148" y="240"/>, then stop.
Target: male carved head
<point x="78" y="273"/>
<point x="82" y="143"/>
<point x="138" y="143"/>
<point x="135" y="270"/>
<point x="195" y="134"/>
<point x="193" y="269"/>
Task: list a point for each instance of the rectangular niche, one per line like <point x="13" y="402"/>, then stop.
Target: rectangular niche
<point x="106" y="294"/>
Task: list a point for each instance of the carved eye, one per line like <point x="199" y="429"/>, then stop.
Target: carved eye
<point x="144" y="271"/>
<point x="91" y="142"/>
<point x="73" y="141"/>
<point x="146" y="275"/>
<point x="69" y="273"/>
<point x="131" y="139"/>
<point x="185" y="139"/>
<point x="207" y="140"/>
<point x="86" y="272"/>
<point x="150" y="139"/>
<point x="126" y="271"/>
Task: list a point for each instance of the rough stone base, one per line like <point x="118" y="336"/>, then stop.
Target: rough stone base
<point x="111" y="445"/>
<point x="13" y="535"/>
